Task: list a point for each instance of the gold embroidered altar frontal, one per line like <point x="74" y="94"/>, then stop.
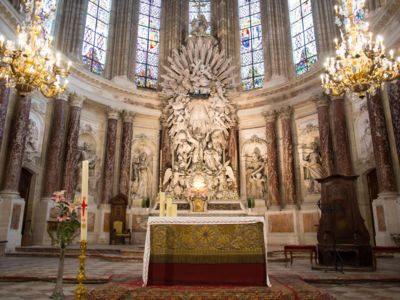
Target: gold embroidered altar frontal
<point x="207" y="243"/>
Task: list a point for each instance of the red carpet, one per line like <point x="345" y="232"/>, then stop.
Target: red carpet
<point x="287" y="287"/>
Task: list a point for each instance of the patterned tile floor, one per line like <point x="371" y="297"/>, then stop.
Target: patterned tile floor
<point x="96" y="268"/>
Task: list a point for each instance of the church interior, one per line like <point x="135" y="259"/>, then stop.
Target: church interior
<point x="199" y="149"/>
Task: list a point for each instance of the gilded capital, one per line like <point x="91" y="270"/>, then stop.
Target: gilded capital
<point x="285" y="112"/>
<point x="112" y="113"/>
<point x="128" y="116"/>
<point x="75" y="100"/>
<point x="269" y="116"/>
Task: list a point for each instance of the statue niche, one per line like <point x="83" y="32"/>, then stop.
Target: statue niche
<point x="199" y="117"/>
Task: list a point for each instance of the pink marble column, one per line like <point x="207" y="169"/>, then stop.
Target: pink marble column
<point x="4" y="98"/>
<point x="380" y="142"/>
<point x="394" y="102"/>
<point x="16" y="148"/>
<point x="288" y="161"/>
<point x="126" y="155"/>
<point x="166" y="148"/>
<point x="341" y="139"/>
<point x="52" y="175"/>
<point x="272" y="161"/>
<point x="322" y="102"/>
<point x="71" y="147"/>
<point x="109" y="161"/>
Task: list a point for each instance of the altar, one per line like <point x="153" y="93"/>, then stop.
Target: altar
<point x="205" y="250"/>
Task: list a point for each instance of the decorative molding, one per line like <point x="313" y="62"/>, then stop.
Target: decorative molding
<point x="269" y="116"/>
<point x="113" y="113"/>
<point x="128" y="116"/>
<point x="285" y="112"/>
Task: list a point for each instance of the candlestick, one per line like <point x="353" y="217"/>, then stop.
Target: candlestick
<point x="81" y="291"/>
<point x="169" y="207"/>
<point x="84" y="195"/>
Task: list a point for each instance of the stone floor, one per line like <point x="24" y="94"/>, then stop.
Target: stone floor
<point x="382" y="284"/>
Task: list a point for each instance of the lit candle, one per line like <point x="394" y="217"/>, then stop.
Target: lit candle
<point x="174" y="210"/>
<point x="84" y="195"/>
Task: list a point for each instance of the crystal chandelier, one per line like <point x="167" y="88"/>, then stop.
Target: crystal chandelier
<point x="29" y="63"/>
<point x="361" y="64"/>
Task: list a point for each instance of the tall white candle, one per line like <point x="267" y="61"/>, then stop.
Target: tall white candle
<point x="85" y="200"/>
<point x="162" y="204"/>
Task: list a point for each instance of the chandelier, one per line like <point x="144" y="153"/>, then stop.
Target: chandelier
<point x="29" y="63"/>
<point x="361" y="64"/>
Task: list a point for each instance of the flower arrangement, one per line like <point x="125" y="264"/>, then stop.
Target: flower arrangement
<point x="68" y="216"/>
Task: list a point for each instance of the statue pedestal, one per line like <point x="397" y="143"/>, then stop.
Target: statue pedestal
<point x="342" y="235"/>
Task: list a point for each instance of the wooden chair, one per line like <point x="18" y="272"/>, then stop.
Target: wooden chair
<point x="119" y="232"/>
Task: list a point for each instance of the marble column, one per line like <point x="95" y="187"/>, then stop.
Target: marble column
<point x="380" y="142"/>
<point x="272" y="161"/>
<point x="322" y="102"/>
<point x="394" y="103"/>
<point x="386" y="208"/>
<point x="71" y="147"/>
<point x="109" y="161"/>
<point x="55" y="147"/>
<point x="4" y="98"/>
<point x="126" y="149"/>
<point x="166" y="148"/>
<point x="289" y="184"/>
<point x="18" y="135"/>
<point x="12" y="206"/>
<point x="71" y="27"/>
<point x="340" y="137"/>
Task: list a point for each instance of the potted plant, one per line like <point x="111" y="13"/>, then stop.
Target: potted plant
<point x="67" y="229"/>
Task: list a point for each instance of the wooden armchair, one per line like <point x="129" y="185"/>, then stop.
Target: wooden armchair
<point x="119" y="231"/>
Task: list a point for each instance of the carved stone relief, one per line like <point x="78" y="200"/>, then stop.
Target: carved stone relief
<point x="362" y="131"/>
<point x="310" y="155"/>
<point x="35" y="134"/>
<point x="254" y="152"/>
<point x="142" y="169"/>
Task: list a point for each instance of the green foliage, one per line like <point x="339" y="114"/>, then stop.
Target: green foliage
<point x="251" y="202"/>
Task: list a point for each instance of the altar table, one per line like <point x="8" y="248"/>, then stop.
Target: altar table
<point x="205" y="250"/>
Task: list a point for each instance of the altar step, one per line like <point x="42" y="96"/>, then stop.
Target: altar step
<point x="111" y="253"/>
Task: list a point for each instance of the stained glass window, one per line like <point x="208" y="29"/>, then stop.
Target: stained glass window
<point x="251" y="48"/>
<point x="148" y="44"/>
<point x="48" y="14"/>
<point x="303" y="36"/>
<point x="199" y="7"/>
<point x="96" y="34"/>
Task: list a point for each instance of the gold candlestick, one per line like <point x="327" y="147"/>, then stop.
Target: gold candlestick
<point x="81" y="291"/>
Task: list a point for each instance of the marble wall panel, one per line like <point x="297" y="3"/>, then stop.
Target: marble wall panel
<point x="281" y="223"/>
<point x="139" y="223"/>
<point x="106" y="224"/>
<point x="310" y="222"/>
<point x="91" y="221"/>
<point x="15" y="216"/>
<point x="380" y="216"/>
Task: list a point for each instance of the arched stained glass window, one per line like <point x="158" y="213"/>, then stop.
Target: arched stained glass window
<point x="48" y="14"/>
<point x="199" y="7"/>
<point x="148" y="44"/>
<point x="303" y="36"/>
<point x="96" y="33"/>
<point x="251" y="48"/>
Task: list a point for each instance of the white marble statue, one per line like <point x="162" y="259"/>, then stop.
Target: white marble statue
<point x="312" y="169"/>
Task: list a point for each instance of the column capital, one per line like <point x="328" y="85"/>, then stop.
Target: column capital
<point x="321" y="100"/>
<point x="128" y="116"/>
<point x="62" y="96"/>
<point x="285" y="112"/>
<point x="112" y="113"/>
<point x="75" y="100"/>
<point x="269" y="116"/>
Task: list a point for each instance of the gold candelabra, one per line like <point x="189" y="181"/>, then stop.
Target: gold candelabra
<point x="30" y="63"/>
<point x="81" y="291"/>
<point x="360" y="64"/>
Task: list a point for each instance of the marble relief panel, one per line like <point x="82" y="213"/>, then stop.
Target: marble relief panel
<point x="253" y="163"/>
<point x="362" y="131"/>
<point x="309" y="155"/>
<point x="144" y="166"/>
<point x="36" y="127"/>
<point x="90" y="147"/>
